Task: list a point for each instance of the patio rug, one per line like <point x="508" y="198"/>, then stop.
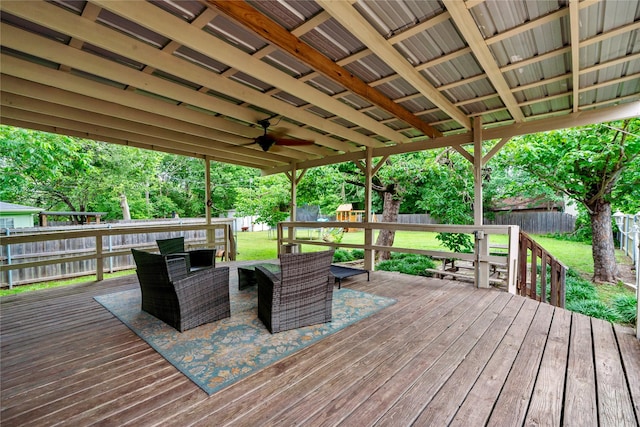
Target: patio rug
<point x="218" y="354"/>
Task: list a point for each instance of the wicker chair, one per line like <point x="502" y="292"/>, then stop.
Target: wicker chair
<point x="178" y="298"/>
<point x="299" y="295"/>
<point x="196" y="259"/>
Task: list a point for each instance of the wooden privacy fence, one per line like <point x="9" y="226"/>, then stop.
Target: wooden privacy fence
<point x="540" y="275"/>
<point x="536" y="222"/>
<point x="530" y="222"/>
<point x="52" y="255"/>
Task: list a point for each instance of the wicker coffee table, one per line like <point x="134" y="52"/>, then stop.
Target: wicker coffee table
<point x="247" y="274"/>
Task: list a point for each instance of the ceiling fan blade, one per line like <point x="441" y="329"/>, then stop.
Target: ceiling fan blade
<point x="293" y="142"/>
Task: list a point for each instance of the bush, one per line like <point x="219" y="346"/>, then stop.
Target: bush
<point x="407" y="264"/>
<point x="582" y="297"/>
<point x="625" y="308"/>
<point x="342" y="255"/>
<point x="358" y="253"/>
<point x="593" y="308"/>
<point x="578" y="289"/>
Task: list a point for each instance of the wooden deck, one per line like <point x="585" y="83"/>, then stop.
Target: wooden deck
<point x="444" y="354"/>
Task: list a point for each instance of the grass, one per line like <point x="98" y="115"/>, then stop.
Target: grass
<point x="611" y="302"/>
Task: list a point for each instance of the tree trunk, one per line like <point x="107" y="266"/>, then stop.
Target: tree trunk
<point x="605" y="268"/>
<point x="390" y="210"/>
<point x="126" y="215"/>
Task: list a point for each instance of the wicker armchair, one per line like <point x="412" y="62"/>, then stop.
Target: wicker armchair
<point x="299" y="295"/>
<point x="196" y="259"/>
<point x="178" y="298"/>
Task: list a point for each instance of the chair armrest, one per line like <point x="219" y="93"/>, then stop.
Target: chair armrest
<point x="177" y="267"/>
<point x="266" y="283"/>
<point x="183" y="255"/>
<point x="267" y="277"/>
<point x="203" y="257"/>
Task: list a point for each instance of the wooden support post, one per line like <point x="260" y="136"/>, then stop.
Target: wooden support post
<point x="369" y="261"/>
<point x="512" y="259"/>
<point x="294" y="194"/>
<point x="481" y="263"/>
<point x="99" y="259"/>
<point x="477" y="171"/>
<point x="481" y="240"/>
<point x="211" y="234"/>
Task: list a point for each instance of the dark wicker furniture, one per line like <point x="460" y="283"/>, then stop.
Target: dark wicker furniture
<point x="178" y="298"/>
<point x="196" y="259"/>
<point x="247" y="274"/>
<point x="301" y="294"/>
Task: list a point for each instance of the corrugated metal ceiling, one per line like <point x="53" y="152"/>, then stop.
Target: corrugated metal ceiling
<point x="529" y="41"/>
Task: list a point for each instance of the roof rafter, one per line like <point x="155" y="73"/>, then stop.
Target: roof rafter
<point x="468" y="28"/>
<point x="350" y="18"/>
<point x="574" y="24"/>
<point x="582" y="118"/>
<point x="101" y="114"/>
<point x="274" y="33"/>
<point x="100" y="132"/>
<point x="176" y="29"/>
<point x="101" y="36"/>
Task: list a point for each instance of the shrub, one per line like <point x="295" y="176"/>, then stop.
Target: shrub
<point x="625" y="308"/>
<point x="593" y="308"/>
<point x="358" y="253"/>
<point x="342" y="255"/>
<point x="577" y="289"/>
<point x="407" y="264"/>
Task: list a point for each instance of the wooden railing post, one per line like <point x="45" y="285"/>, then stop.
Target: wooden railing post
<point x="99" y="259"/>
<point x="481" y="263"/>
<point x="512" y="260"/>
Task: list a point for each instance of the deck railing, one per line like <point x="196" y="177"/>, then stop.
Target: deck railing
<point x="95" y="249"/>
<point x="524" y="258"/>
<point x="481" y="258"/>
<point x="540" y="275"/>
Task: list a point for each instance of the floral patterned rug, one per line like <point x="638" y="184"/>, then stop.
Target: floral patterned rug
<point x="221" y="353"/>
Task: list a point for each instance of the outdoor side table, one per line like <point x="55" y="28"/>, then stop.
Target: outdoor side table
<point x="340" y="272"/>
<point x="247" y="274"/>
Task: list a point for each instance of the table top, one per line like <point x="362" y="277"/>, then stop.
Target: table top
<point x="274" y="268"/>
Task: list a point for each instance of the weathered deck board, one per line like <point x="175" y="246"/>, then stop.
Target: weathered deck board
<point x="445" y="404"/>
<point x="546" y="403"/>
<point x="445" y="353"/>
<point x="614" y="402"/>
<point x="476" y="408"/>
<point x="630" y="352"/>
<point x="580" y="400"/>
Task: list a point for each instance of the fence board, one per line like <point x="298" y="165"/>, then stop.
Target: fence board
<point x="30" y="252"/>
<point x="536" y="222"/>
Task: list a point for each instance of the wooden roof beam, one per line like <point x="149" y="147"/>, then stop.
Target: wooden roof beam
<point x="150" y="16"/>
<point x="347" y="15"/>
<point x="469" y="30"/>
<point x="245" y="14"/>
<point x="574" y="25"/>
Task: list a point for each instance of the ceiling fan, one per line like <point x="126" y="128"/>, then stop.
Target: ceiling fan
<point x="268" y="139"/>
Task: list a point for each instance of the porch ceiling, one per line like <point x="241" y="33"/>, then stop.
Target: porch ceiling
<point x="194" y="77"/>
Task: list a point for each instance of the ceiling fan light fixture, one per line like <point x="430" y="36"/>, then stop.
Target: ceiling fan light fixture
<point x="265" y="142"/>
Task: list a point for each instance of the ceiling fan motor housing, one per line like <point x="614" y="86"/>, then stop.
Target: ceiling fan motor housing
<point x="265" y="142"/>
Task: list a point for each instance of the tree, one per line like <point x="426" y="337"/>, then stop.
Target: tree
<point x="391" y="183"/>
<point x="447" y="191"/>
<point x="592" y="165"/>
<point x="43" y="169"/>
<point x="268" y="198"/>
